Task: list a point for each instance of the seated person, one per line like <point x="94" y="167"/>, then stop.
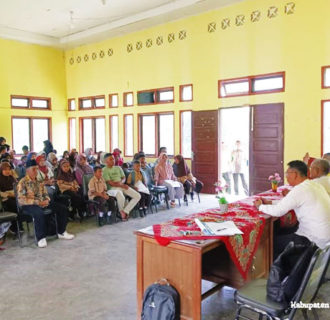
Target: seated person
<point x="147" y="170"/>
<point x="119" y="161"/>
<point x="115" y="178"/>
<point x="52" y="163"/>
<point x="25" y="150"/>
<point x="7" y="181"/>
<point x="89" y="157"/>
<point x="164" y="173"/>
<point x="13" y="160"/>
<point x="134" y="178"/>
<point x="45" y="174"/>
<point x="82" y="168"/>
<point x="20" y="170"/>
<point x="69" y="186"/>
<point x="320" y="169"/>
<point x="311" y="204"/>
<point x="160" y="151"/>
<point x="97" y="191"/>
<point x="33" y="198"/>
<point x="184" y="175"/>
<point x="66" y="155"/>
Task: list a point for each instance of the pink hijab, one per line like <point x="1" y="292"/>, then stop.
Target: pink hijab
<point x="163" y="170"/>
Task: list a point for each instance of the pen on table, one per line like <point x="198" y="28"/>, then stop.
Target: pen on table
<point x="221" y="229"/>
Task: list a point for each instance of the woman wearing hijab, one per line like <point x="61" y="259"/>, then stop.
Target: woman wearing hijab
<point x="89" y="156"/>
<point x="118" y="160"/>
<point x="45" y="174"/>
<point x="184" y="175"/>
<point x="48" y="147"/>
<point x="68" y="185"/>
<point x="31" y="156"/>
<point x="52" y="163"/>
<point x="164" y="176"/>
<point x="7" y="194"/>
<point x="82" y="168"/>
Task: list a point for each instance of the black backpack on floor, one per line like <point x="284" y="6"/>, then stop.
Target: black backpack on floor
<point x="288" y="270"/>
<point x="161" y="301"/>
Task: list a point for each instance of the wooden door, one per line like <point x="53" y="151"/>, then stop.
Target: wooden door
<point x="266" y="145"/>
<point x="205" y="148"/>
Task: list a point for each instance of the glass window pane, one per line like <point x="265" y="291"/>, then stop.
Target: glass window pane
<point x="326" y="127"/>
<point x="234" y="88"/>
<point x="128" y="135"/>
<point x="327" y="77"/>
<point x="72" y="133"/>
<point x="114" y="132"/>
<point x="20" y="102"/>
<point x="40" y="133"/>
<point x="148" y="134"/>
<point x="87" y="134"/>
<point x="166" y="95"/>
<point x="40" y="103"/>
<point x="100" y="135"/>
<point x="186" y="134"/>
<point x="186" y="94"/>
<point x="86" y="103"/>
<point x="114" y="100"/>
<point x="21" y="134"/>
<point x="166" y="132"/>
<point x="266" y="84"/>
<point x="72" y="104"/>
<point x="129" y="99"/>
<point x="99" y="102"/>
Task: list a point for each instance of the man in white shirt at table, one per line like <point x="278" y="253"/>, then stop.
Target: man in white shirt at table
<point x="311" y="203"/>
<point x="319" y="171"/>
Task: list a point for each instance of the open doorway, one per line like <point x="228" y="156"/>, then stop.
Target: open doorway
<point x="234" y="151"/>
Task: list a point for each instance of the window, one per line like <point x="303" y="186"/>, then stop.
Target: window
<point x="71" y="104"/>
<point x="264" y="84"/>
<point x="156" y="130"/>
<point x="31" y="132"/>
<point x="128" y="99"/>
<point x="30" y="102"/>
<point x="185" y="139"/>
<point x="166" y="132"/>
<point x="235" y="88"/>
<point x="72" y="133"/>
<point x="91" y="103"/>
<point x="114" y="136"/>
<point x="128" y="133"/>
<point x="326" y="126"/>
<point x="268" y="83"/>
<point x="113" y="100"/>
<point x="326" y="77"/>
<point x="148" y="134"/>
<point x="155" y="96"/>
<point x="93" y="134"/>
<point x="186" y="92"/>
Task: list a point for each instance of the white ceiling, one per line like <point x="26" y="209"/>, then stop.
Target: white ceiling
<point x="69" y="23"/>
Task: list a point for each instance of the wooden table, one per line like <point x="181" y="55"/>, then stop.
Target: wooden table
<point x="186" y="263"/>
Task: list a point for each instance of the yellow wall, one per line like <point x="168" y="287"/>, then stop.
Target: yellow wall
<point x="33" y="70"/>
<point x="298" y="44"/>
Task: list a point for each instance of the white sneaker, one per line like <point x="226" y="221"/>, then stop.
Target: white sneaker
<point x="66" y="236"/>
<point x="42" y="243"/>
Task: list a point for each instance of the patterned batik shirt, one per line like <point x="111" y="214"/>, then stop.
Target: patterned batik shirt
<point x="38" y="189"/>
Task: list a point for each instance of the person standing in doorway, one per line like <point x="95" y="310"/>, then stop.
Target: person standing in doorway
<point x="238" y="160"/>
<point x="225" y="165"/>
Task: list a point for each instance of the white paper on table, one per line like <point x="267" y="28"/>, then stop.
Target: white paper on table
<point x="174" y="184"/>
<point x="141" y="187"/>
<point x="227" y="228"/>
<point x="112" y="193"/>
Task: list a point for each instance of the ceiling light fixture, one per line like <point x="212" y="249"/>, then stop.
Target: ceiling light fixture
<point x="104" y="2"/>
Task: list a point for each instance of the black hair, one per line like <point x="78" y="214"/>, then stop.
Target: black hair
<point x="2" y="139"/>
<point x="136" y="162"/>
<point x="300" y="166"/>
<point x="3" y="148"/>
<point x="25" y="148"/>
<point x="107" y="155"/>
<point x="161" y="150"/>
<point x="97" y="168"/>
